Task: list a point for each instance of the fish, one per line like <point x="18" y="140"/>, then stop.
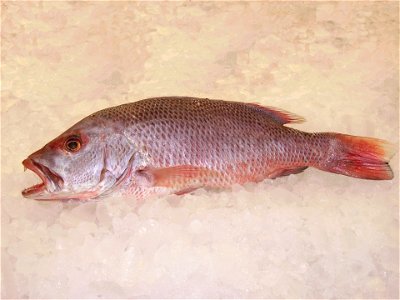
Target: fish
<point x="175" y="145"/>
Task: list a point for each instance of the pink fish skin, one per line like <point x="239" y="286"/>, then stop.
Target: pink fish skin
<point x="178" y="144"/>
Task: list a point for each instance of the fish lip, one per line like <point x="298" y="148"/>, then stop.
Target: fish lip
<point x="48" y="178"/>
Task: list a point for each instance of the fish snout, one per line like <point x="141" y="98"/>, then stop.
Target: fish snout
<point x="51" y="181"/>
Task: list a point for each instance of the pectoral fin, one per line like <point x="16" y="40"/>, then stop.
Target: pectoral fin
<point x="177" y="176"/>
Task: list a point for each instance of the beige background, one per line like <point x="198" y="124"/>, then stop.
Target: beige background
<point x="309" y="235"/>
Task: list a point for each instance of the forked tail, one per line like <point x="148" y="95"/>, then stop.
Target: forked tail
<point x="360" y="157"/>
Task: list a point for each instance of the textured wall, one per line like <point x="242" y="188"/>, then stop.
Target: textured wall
<point x="308" y="235"/>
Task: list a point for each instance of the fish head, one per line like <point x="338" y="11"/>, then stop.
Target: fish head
<point x="82" y="163"/>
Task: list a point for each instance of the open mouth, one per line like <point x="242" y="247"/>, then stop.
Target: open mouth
<point x="50" y="180"/>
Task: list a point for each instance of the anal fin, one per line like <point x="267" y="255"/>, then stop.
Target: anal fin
<point x="286" y="171"/>
<point x="187" y="190"/>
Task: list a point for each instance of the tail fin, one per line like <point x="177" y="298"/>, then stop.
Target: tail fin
<point x="362" y="157"/>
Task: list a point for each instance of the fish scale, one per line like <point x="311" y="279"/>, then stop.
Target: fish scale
<point x="210" y="135"/>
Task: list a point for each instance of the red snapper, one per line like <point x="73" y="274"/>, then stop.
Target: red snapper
<point x="178" y="144"/>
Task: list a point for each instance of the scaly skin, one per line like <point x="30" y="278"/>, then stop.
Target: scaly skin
<point x="233" y="142"/>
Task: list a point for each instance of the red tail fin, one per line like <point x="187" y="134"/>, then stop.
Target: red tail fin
<point x="362" y="157"/>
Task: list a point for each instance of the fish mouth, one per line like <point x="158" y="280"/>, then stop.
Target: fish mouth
<point x="51" y="181"/>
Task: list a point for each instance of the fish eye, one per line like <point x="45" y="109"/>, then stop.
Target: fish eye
<point x="73" y="144"/>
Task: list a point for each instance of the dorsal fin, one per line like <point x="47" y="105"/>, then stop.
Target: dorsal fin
<point x="278" y="115"/>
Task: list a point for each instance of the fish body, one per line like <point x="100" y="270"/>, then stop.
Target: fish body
<point x="178" y="144"/>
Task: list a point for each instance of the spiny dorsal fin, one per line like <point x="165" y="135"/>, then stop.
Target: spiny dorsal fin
<point x="278" y="115"/>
